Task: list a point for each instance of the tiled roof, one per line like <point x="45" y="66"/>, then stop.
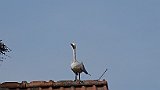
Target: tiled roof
<point x="59" y="85"/>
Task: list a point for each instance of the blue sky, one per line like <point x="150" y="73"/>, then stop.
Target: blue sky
<point x="121" y="35"/>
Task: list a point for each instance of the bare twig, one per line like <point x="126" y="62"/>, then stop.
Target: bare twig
<point x="102" y="74"/>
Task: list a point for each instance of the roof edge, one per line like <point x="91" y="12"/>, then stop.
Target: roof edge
<point x="51" y="83"/>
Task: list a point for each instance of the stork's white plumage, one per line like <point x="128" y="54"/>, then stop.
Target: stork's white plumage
<point x="76" y="66"/>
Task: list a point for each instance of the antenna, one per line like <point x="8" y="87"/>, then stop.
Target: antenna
<point x="103" y="74"/>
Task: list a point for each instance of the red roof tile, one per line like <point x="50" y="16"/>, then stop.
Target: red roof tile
<point x="59" y="85"/>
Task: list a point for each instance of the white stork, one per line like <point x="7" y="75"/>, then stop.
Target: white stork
<point x="76" y="66"/>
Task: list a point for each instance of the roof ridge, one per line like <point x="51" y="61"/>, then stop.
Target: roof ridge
<point x="51" y="83"/>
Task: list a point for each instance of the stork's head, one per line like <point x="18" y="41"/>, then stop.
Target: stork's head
<point x="73" y="45"/>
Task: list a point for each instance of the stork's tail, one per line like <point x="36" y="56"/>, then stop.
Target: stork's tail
<point x="84" y="70"/>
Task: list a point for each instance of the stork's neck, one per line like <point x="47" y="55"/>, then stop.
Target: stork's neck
<point x="74" y="55"/>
